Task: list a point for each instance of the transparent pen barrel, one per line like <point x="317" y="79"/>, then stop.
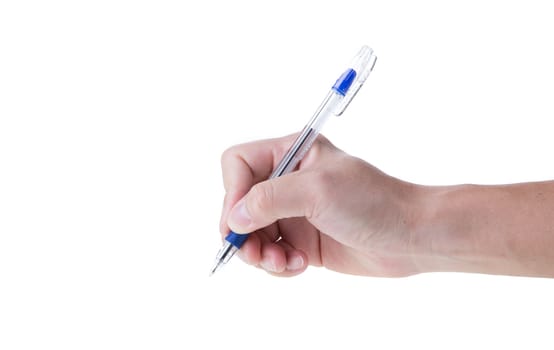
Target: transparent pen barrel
<point x="308" y="135"/>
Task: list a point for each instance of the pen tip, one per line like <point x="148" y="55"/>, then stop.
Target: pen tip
<point x="214" y="269"/>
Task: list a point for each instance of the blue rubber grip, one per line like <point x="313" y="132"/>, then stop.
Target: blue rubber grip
<point x="236" y="239"/>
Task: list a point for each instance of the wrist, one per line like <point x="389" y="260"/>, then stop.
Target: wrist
<point x="457" y="230"/>
<point x="445" y="234"/>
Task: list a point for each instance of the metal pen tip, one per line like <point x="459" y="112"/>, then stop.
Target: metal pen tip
<point x="223" y="256"/>
<point x="215" y="267"/>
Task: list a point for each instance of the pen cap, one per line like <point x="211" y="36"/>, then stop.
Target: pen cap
<point x="362" y="64"/>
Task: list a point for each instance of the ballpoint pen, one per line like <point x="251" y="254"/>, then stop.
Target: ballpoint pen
<point x="336" y="101"/>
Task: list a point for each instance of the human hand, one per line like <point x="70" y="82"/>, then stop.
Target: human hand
<point x="336" y="211"/>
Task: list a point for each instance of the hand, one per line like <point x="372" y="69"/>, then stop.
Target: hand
<point x="336" y="211"/>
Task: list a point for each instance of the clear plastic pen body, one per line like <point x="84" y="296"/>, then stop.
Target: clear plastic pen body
<point x="308" y="135"/>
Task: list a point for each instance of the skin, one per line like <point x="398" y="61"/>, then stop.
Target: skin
<point x="340" y="212"/>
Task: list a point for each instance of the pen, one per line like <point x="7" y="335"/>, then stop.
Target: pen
<point x="336" y="101"/>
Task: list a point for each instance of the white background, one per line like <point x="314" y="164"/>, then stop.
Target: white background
<point x="113" y="116"/>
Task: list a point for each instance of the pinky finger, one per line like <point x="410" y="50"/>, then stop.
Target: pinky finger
<point x="296" y="260"/>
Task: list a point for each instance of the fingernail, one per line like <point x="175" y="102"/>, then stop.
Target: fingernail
<point x="296" y="262"/>
<point x="268" y="265"/>
<point x="239" y="217"/>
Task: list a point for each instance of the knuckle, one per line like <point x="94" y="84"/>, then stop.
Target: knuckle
<point x="323" y="143"/>
<point x="229" y="153"/>
<point x="317" y="147"/>
<point x="261" y="198"/>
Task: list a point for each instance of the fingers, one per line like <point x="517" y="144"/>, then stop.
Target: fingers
<point x="261" y="208"/>
<point x="296" y="260"/>
<point x="292" y="195"/>
<point x="245" y="165"/>
<point x="279" y="258"/>
<point x="255" y="205"/>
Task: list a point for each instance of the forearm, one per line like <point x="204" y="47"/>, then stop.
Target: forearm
<point x="507" y="229"/>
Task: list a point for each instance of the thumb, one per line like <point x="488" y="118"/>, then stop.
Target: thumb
<point x="268" y="201"/>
